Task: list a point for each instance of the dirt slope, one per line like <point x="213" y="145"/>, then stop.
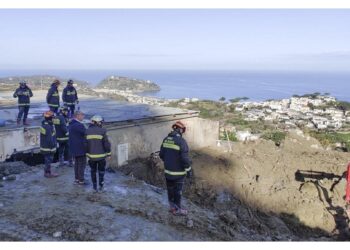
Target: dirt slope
<point x="262" y="176"/>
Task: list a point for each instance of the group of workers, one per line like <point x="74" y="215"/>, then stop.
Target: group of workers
<point x="62" y="130"/>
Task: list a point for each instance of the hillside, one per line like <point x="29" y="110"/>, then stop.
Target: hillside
<point x="36" y="82"/>
<point x="127" y="84"/>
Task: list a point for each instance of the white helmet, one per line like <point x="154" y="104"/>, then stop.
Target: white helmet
<point x="97" y="118"/>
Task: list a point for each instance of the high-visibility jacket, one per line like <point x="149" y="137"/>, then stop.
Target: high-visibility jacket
<point x="53" y="98"/>
<point x="174" y="152"/>
<point x="24" y="95"/>
<point x="98" y="146"/>
<point x="69" y="95"/>
<point x="48" y="141"/>
<point x="61" y="128"/>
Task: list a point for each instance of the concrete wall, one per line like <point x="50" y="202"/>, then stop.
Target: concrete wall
<point x="142" y="140"/>
<point x="128" y="142"/>
<point x="18" y="139"/>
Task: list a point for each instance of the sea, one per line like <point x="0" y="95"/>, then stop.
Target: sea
<point x="214" y="84"/>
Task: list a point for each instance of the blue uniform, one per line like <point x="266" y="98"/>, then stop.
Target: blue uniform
<point x="174" y="153"/>
<point x="70" y="98"/>
<point x="23" y="94"/>
<point x="53" y="98"/>
<point x="48" y="143"/>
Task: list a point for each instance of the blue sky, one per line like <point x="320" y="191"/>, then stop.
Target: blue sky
<point x="237" y="39"/>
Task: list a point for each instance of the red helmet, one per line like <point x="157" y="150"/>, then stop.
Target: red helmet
<point x="48" y="114"/>
<point x="180" y="125"/>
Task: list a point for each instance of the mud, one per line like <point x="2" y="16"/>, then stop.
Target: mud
<point x="257" y="182"/>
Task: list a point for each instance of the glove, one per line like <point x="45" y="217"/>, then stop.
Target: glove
<point x="77" y="101"/>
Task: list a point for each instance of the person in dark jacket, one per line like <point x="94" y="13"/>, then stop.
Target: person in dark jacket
<point x="23" y="93"/>
<point x="174" y="153"/>
<point x="70" y="97"/>
<point x="48" y="142"/>
<point x="77" y="142"/>
<point x="98" y="148"/>
<point x="52" y="97"/>
<point x="60" y="122"/>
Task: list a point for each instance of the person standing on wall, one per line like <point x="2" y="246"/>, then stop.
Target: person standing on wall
<point x="48" y="142"/>
<point x="98" y="149"/>
<point x="52" y="97"/>
<point x="23" y="93"/>
<point x="174" y="153"/>
<point x="60" y="122"/>
<point x="77" y="142"/>
<point x="70" y="97"/>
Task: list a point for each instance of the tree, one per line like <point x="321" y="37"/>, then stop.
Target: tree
<point x="222" y="99"/>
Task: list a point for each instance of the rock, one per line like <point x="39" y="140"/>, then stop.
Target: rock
<point x="189" y="223"/>
<point x="6" y="172"/>
<point x="10" y="178"/>
<point x="229" y="217"/>
<point x="57" y="234"/>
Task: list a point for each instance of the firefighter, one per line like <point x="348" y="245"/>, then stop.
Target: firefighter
<point x="98" y="149"/>
<point x="70" y="97"/>
<point x="48" y="142"/>
<point x="174" y="153"/>
<point x="60" y="122"/>
<point x="53" y="98"/>
<point x="23" y="93"/>
<point x="77" y="142"/>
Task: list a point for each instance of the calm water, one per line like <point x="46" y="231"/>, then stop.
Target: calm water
<point x="215" y="84"/>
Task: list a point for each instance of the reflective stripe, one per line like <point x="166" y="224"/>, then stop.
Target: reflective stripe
<point x="62" y="138"/>
<point x="109" y="154"/>
<point x="96" y="156"/>
<point x="97" y="137"/>
<point x="69" y="103"/>
<point x="175" y="173"/>
<point x="43" y="131"/>
<point x="56" y="121"/>
<point x="48" y="149"/>
<point x="54" y="105"/>
<point x="172" y="146"/>
<point x="23" y="104"/>
<point x="71" y="92"/>
<point x="188" y="169"/>
<point x="55" y="94"/>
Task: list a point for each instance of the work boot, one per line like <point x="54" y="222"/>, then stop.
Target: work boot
<point x="50" y="175"/>
<point x="25" y="123"/>
<point x="102" y="189"/>
<point x="180" y="212"/>
<point x="61" y="161"/>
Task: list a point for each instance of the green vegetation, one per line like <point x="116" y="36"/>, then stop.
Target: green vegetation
<point x="276" y="136"/>
<point x="238" y="99"/>
<point x="231" y="136"/>
<point x="329" y="138"/>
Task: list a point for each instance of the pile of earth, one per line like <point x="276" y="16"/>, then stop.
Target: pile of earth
<point x="299" y="182"/>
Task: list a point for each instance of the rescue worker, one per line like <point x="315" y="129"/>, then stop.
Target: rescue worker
<point x="174" y="152"/>
<point x="98" y="149"/>
<point x="60" y="121"/>
<point x="77" y="142"/>
<point x="70" y="97"/>
<point x="53" y="98"/>
<point x="23" y="93"/>
<point x="48" y="142"/>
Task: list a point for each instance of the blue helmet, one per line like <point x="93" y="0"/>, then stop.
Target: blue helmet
<point x="70" y="81"/>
